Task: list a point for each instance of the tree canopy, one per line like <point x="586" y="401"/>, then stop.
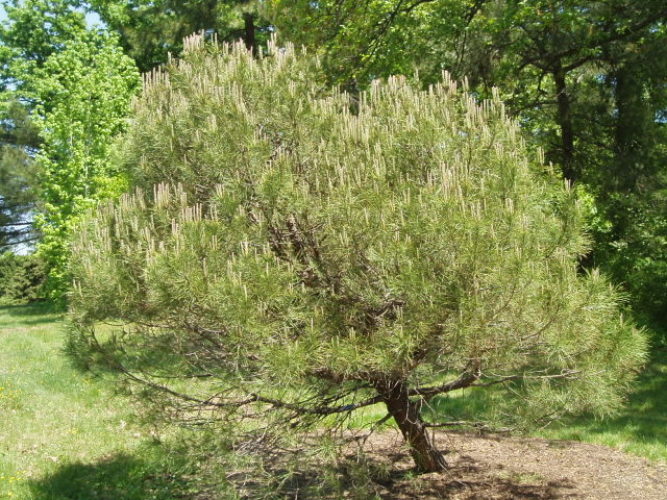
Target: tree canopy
<point x="68" y="88"/>
<point x="584" y="79"/>
<point x="152" y="29"/>
<point x="84" y="94"/>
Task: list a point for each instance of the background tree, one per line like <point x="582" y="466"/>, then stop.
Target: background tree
<point x="32" y="31"/>
<point x="84" y="93"/>
<point x="313" y="253"/>
<point x="17" y="176"/>
<point x="21" y="278"/>
<point x="75" y="84"/>
<point x="151" y="29"/>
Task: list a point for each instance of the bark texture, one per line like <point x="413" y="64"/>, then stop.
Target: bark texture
<point x="406" y="413"/>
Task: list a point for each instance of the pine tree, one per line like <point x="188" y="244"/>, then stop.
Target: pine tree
<point x="18" y="183"/>
<point x="312" y="253"/>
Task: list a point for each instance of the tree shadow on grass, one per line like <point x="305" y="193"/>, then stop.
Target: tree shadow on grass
<point x="34" y="314"/>
<point x="280" y="474"/>
<point x="645" y="414"/>
<point x="387" y="472"/>
<point x="119" y="477"/>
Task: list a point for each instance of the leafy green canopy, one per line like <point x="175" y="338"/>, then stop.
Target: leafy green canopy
<point x="296" y="247"/>
<point x="150" y="30"/>
<point x="31" y="31"/>
<point x="586" y="79"/>
<point x="84" y="94"/>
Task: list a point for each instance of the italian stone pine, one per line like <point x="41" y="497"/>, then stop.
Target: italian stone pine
<point x="310" y="253"/>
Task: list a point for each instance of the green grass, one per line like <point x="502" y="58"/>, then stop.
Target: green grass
<point x="640" y="427"/>
<point x="51" y="414"/>
<point x="65" y="435"/>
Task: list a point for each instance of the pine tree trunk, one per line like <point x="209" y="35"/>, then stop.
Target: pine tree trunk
<point x="406" y="413"/>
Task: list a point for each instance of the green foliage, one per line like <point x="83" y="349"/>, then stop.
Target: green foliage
<point x="640" y="428"/>
<point x="637" y="255"/>
<point x="150" y="30"/>
<point x="586" y="80"/>
<point x="33" y="30"/>
<point x="75" y="84"/>
<point x="84" y="92"/>
<point x="21" y="278"/>
<point x="360" y="41"/>
<point x="284" y="241"/>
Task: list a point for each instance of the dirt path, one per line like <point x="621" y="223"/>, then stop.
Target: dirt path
<point x="511" y="468"/>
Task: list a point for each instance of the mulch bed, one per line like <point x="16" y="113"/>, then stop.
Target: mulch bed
<point x="501" y="467"/>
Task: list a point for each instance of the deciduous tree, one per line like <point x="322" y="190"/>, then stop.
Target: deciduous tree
<point x="152" y="29"/>
<point x="84" y="93"/>
<point x="74" y="85"/>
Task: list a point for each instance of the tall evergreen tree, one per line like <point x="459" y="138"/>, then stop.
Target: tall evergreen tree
<point x="18" y="183"/>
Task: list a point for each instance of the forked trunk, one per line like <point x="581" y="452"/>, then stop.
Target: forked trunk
<point x="406" y="413"/>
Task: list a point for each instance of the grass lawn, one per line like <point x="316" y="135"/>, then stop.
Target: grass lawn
<point x="64" y="435"/>
<point x="68" y="436"/>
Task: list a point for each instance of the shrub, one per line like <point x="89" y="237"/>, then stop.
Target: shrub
<point x="312" y="252"/>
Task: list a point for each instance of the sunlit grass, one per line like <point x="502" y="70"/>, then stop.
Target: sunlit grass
<point x="639" y="428"/>
<point x="69" y="435"/>
<point x="51" y="414"/>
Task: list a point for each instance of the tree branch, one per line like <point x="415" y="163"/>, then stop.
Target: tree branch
<point x="463" y="423"/>
<point x="253" y="398"/>
<point x="466" y="379"/>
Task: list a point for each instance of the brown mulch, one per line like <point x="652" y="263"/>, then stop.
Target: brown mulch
<point x="501" y="467"/>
